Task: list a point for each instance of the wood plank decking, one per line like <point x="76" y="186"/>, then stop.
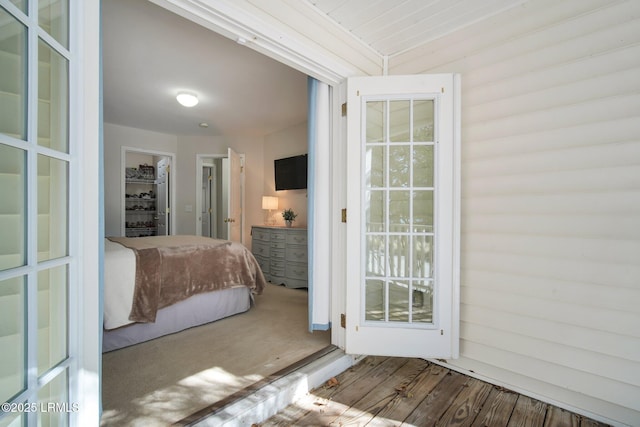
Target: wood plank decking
<point x="393" y="391"/>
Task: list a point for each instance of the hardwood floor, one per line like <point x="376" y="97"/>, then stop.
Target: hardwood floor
<point x="393" y="391"/>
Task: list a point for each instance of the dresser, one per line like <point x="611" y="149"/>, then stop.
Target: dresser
<point x="282" y="254"/>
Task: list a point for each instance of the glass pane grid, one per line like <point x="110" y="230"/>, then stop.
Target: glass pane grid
<point x="399" y="213"/>
<point x="34" y="182"/>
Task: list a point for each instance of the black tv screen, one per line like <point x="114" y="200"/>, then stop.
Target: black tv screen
<point x="291" y="173"/>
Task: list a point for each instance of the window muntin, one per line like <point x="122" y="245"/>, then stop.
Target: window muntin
<point x="398" y="199"/>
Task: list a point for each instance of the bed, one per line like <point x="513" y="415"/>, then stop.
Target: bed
<point x="158" y="285"/>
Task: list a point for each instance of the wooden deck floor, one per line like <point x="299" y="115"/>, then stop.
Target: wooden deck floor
<point x="392" y="391"/>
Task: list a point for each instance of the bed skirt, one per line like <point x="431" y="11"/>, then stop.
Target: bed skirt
<point x="194" y="311"/>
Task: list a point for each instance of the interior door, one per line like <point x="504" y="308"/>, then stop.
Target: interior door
<point x="207" y="199"/>
<point x="162" y="201"/>
<point x="234" y="207"/>
<point x="403" y="210"/>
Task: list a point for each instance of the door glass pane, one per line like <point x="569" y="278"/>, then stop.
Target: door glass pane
<point x="399" y="120"/>
<point x="375" y="211"/>
<point x="53" y="99"/>
<point x="399" y="166"/>
<point x="52" y="208"/>
<point x="55" y="397"/>
<point x="399" y="301"/>
<point x="12" y="208"/>
<point x="52" y="317"/>
<point x="13" y="419"/>
<point x="21" y="4"/>
<point x="423" y="210"/>
<point x="52" y="17"/>
<point x="375" y="255"/>
<point x="375" y="300"/>
<point x="422" y="301"/>
<point x="399" y="211"/>
<point x="399" y="206"/>
<point x="13" y="337"/>
<point x="376" y="119"/>
<point x="423" y="166"/>
<point x="13" y="76"/>
<point x="399" y="255"/>
<point x="422" y="261"/>
<point x="423" y="119"/>
<point x="375" y="166"/>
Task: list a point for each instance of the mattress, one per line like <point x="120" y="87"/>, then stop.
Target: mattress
<point x="205" y="280"/>
<point x="194" y="311"/>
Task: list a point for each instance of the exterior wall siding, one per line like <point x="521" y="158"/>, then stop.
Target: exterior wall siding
<point x="550" y="262"/>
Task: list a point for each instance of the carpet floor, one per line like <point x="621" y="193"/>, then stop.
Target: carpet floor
<point x="164" y="380"/>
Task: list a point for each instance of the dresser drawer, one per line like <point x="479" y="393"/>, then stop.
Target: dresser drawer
<point x="277" y="273"/>
<point x="277" y="245"/>
<point x="260" y="248"/>
<point x="278" y="236"/>
<point x="263" y="263"/>
<point x="298" y="237"/>
<point x="260" y="234"/>
<point x="296" y="253"/>
<point x="276" y="264"/>
<point x="296" y="271"/>
<point x="277" y="253"/>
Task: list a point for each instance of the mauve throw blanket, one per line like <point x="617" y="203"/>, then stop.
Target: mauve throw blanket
<point x="173" y="268"/>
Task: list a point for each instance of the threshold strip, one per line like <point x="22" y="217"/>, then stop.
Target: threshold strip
<point x="241" y="394"/>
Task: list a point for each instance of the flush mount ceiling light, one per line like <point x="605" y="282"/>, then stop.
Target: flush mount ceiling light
<point x="187" y="99"/>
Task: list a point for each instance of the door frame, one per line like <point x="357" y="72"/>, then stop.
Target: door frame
<point x="236" y="24"/>
<point x="200" y="160"/>
<point x="172" y="182"/>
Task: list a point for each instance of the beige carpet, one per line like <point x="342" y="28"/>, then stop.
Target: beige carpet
<point x="162" y="381"/>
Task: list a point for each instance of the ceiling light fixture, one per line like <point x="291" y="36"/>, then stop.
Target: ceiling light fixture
<point x="187" y="99"/>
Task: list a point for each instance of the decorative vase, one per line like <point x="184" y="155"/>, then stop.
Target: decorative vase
<point x="288" y="223"/>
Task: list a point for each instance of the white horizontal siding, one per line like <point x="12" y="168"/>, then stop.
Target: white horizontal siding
<point x="550" y="262"/>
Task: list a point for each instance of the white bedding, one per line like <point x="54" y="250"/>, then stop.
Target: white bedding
<point x="119" y="284"/>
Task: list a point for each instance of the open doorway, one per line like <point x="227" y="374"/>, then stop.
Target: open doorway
<point x="171" y="134"/>
<point x="220" y="196"/>
<point x="146" y="193"/>
<point x="213" y="201"/>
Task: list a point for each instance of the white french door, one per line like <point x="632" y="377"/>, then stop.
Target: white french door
<point x="49" y="226"/>
<point x="403" y="210"/>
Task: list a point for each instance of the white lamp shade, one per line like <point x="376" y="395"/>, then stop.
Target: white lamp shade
<point x="269" y="202"/>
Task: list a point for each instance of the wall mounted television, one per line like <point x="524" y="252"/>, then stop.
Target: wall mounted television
<point x="291" y="173"/>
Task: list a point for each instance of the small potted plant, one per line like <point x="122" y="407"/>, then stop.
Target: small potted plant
<point x="289" y="216"/>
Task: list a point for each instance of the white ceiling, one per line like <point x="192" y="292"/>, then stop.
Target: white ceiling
<point x="149" y="54"/>
<point x="391" y="27"/>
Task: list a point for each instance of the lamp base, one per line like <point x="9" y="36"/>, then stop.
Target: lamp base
<point x="269" y="219"/>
